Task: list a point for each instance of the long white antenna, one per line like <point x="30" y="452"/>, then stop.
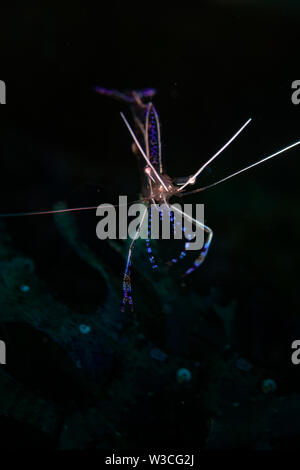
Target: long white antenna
<point x="192" y="179"/>
<point x="142" y="151"/>
<point x="247" y="168"/>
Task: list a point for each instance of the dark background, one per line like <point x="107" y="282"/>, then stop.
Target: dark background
<point x="214" y="66"/>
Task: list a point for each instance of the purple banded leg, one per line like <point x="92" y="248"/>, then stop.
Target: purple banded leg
<point x="127" y="297"/>
<point x="149" y="249"/>
<point x="182" y="254"/>
<point x="203" y="252"/>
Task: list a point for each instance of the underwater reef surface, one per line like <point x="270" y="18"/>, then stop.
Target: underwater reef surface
<point x="168" y="374"/>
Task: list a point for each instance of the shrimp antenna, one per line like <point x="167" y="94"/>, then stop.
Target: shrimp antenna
<point x="142" y="151"/>
<point x="57" y="211"/>
<point x="192" y="179"/>
<point x="245" y="169"/>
